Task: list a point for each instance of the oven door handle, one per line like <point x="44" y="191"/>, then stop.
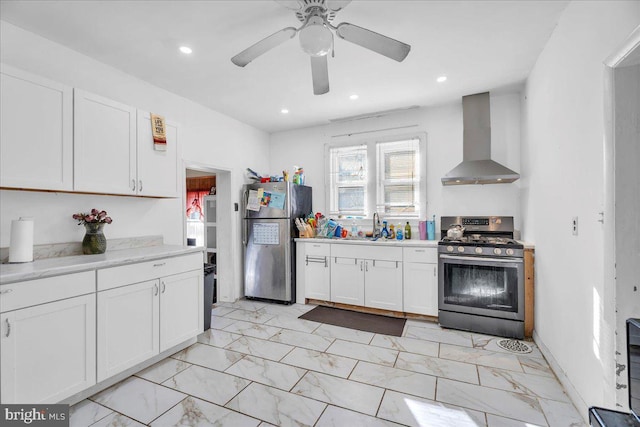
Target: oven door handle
<point x="483" y="259"/>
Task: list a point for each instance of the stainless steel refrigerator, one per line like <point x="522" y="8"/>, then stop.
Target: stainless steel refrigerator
<point x="267" y="236"/>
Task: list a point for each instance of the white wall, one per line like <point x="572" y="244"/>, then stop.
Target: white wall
<point x="563" y="165"/>
<point x="443" y="126"/>
<point x="206" y="137"/>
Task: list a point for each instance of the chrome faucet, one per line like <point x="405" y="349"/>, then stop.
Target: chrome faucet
<point x="376" y="225"/>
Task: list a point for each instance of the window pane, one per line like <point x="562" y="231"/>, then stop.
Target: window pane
<point x="400" y="199"/>
<point x="399" y="164"/>
<point x="350" y="199"/>
<point x="351" y="167"/>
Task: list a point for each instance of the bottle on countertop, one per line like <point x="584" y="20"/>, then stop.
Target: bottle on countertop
<point x="392" y="232"/>
<point x="407" y="231"/>
<point x="399" y="234"/>
<point x="384" y="233"/>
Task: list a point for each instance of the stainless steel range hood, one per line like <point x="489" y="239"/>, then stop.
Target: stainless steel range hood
<point x="477" y="166"/>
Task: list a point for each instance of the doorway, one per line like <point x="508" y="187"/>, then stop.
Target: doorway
<point x="207" y="221"/>
<point x="621" y="216"/>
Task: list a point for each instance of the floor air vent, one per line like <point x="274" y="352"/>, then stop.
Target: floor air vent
<point x="514" y="346"/>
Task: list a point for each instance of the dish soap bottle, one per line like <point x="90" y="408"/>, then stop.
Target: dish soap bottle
<point x="384" y="233"/>
<point x="399" y="232"/>
<point x="392" y="232"/>
<point x="407" y="231"/>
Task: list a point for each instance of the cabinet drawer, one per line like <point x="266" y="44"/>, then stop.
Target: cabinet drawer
<point x="321" y="249"/>
<point x="40" y="291"/>
<point x="114" y="277"/>
<point x="367" y="252"/>
<point x="426" y="255"/>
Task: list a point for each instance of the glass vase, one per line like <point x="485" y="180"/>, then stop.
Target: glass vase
<point x="94" y="241"/>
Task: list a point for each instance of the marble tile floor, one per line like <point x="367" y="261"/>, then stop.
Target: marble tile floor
<point x="260" y="365"/>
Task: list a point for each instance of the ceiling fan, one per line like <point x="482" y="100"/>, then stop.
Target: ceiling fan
<point x="316" y="38"/>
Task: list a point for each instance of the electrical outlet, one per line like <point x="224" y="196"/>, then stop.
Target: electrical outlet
<point x="574" y="225"/>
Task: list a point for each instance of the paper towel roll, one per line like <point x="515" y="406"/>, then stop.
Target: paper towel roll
<point x="21" y="240"/>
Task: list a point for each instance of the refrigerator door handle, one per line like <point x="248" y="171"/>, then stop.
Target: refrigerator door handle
<point x="245" y="227"/>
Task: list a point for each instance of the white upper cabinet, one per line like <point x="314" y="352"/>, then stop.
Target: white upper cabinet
<point x="157" y="170"/>
<point x="36" y="140"/>
<point x="114" y="151"/>
<point x="104" y="145"/>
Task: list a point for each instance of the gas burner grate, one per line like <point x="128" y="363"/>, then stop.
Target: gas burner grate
<point x="515" y="346"/>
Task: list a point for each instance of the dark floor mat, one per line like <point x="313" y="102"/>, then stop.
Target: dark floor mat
<point x="356" y="320"/>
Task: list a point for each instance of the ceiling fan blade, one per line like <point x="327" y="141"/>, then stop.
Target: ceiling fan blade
<point x="320" y="74"/>
<point x="337" y="5"/>
<point x="383" y="45"/>
<point x="264" y="45"/>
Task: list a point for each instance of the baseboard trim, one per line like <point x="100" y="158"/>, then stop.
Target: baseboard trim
<point x="573" y="394"/>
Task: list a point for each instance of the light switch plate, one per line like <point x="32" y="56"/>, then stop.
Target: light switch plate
<point x="574" y="225"/>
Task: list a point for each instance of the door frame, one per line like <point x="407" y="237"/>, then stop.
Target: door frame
<point x="225" y="272"/>
<point x="612" y="318"/>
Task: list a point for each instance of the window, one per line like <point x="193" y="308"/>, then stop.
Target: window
<point x="349" y="180"/>
<point x="384" y="176"/>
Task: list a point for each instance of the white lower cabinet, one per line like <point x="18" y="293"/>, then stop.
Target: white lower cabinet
<point x="377" y="276"/>
<point x="181" y="308"/>
<point x="421" y="281"/>
<point x="128" y="327"/>
<point x="347" y="280"/>
<point x="383" y="285"/>
<point x="48" y="351"/>
<point x="317" y="271"/>
<point x="141" y="320"/>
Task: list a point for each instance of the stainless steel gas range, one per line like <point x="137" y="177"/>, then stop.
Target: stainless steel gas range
<point x="481" y="277"/>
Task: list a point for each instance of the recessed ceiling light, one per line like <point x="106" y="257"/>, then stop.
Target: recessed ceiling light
<point x="284" y="111"/>
<point x="185" y="49"/>
<point x="499" y="179"/>
<point x="353" y="97"/>
<point x="441" y="79"/>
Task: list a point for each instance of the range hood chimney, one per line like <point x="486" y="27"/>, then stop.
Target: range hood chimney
<point x="477" y="166"/>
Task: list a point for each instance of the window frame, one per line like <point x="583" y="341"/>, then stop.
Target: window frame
<point x="372" y="188"/>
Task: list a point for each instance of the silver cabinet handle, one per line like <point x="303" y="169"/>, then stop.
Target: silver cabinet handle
<point x="8" y="327"/>
<point x="164" y="287"/>
<point x="6" y="291"/>
<point x="419" y="250"/>
<point x="133" y="185"/>
<point x="435" y="269"/>
<point x="140" y="185"/>
<point x="361" y="262"/>
<point x="160" y="264"/>
<point x="155" y="289"/>
<point x="366" y="266"/>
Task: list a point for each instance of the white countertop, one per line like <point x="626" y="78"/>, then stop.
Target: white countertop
<point x="390" y="242"/>
<point x="379" y="242"/>
<point x="10" y="273"/>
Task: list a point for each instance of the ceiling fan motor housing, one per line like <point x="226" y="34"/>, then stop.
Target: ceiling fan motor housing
<point x="313" y="6"/>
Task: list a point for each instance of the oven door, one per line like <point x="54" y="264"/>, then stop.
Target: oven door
<point x="483" y="286"/>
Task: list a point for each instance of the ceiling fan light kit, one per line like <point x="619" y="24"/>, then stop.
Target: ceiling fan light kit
<point x="316" y="38"/>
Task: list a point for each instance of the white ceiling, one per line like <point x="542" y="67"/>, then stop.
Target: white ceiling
<point x="479" y="45"/>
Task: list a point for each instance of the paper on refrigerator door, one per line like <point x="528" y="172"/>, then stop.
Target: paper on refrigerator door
<point x="277" y="200"/>
<point x="253" y="202"/>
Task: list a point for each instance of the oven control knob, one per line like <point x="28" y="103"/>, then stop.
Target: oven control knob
<point x="449" y="248"/>
<point x="497" y="251"/>
<point x="509" y="251"/>
<point x="479" y="251"/>
<point x="460" y="248"/>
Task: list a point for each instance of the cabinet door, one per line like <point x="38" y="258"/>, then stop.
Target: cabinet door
<point x="157" y="170"/>
<point x="104" y="143"/>
<point x="383" y="284"/>
<point x="181" y="308"/>
<point x="421" y="288"/>
<point x="36" y="140"/>
<point x="347" y="280"/>
<point x="317" y="277"/>
<point x="128" y="327"/>
<point x="48" y="352"/>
